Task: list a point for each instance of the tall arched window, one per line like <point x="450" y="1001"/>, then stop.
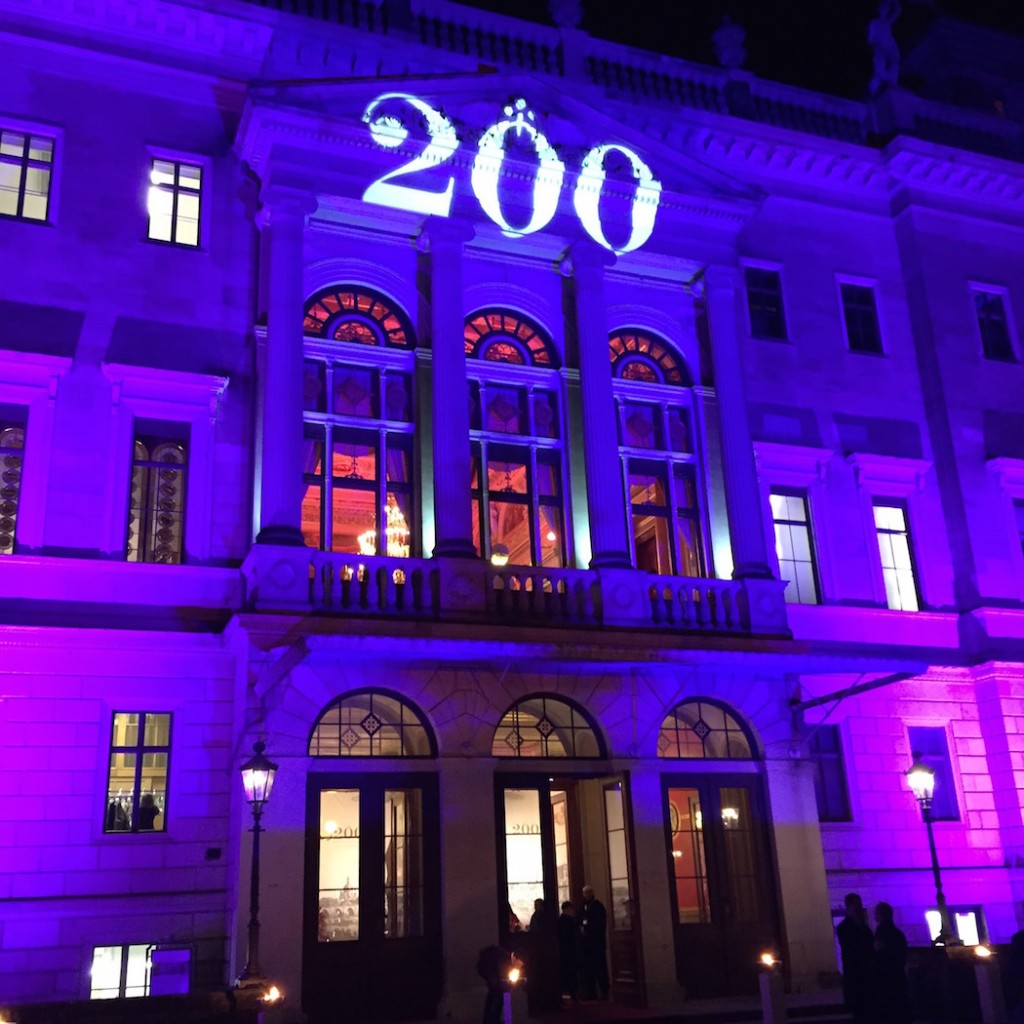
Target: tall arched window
<point x="661" y="471"/>
<point x="371" y="723"/>
<point x="359" y="425"/>
<point x="12" y="458"/>
<point x="542" y="726"/>
<point x="702" y="728"/>
<point x="516" y="426"/>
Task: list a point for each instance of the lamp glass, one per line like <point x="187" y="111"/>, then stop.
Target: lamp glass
<point x="258" y="777"/>
<point x="922" y="782"/>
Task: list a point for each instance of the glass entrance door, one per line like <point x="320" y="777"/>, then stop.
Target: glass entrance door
<point x="723" y="899"/>
<point x="372" y="898"/>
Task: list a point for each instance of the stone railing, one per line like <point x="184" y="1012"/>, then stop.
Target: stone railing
<point x="301" y="581"/>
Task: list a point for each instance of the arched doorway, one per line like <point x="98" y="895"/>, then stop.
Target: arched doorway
<point x="372" y="879"/>
<point x="723" y="897"/>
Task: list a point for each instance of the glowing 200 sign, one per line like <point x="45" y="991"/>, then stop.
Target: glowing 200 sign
<point x="391" y="131"/>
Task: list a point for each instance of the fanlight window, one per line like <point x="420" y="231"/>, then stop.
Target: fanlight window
<point x="371" y="724"/>
<point x="639" y="356"/>
<point x="498" y="336"/>
<point x="702" y="729"/>
<point x="357" y="315"/>
<point x="546" y="727"/>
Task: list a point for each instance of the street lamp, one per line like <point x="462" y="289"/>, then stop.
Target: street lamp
<point x="257" y="780"/>
<point x="921" y="779"/>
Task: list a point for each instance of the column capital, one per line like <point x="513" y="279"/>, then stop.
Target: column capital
<point x="440" y="234"/>
<point x="720" y="277"/>
<point x="585" y="256"/>
<point x="279" y="204"/>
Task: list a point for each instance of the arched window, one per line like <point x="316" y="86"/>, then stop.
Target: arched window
<point x="12" y="450"/>
<point x="359" y="426"/>
<point x="371" y="723"/>
<point x="543" y="726"/>
<point x="703" y="729"/>
<point x="519" y="506"/>
<point x="661" y="471"/>
<point x="156" y="507"/>
<point x="501" y="336"/>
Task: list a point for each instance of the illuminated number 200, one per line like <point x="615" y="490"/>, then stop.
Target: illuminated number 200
<point x="391" y="132"/>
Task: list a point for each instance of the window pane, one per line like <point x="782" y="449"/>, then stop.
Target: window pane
<point x="10" y="183"/>
<point x="105" y="973"/>
<point x="745" y="895"/>
<point x="160" y="205"/>
<point x="136" y="979"/>
<point x="639" y="425"/>
<point x="506" y="477"/>
<point x="355" y="461"/>
<point x="523" y="857"/>
<point x="399" y="525"/>
<point x="12" y="445"/>
<point x="398" y="397"/>
<point x="548" y="475"/>
<point x="650" y="537"/>
<point x="353" y="519"/>
<point x="929" y="743"/>
<point x="510" y="525"/>
<point x="37" y="190"/>
<point x="162" y="173"/>
<point x="338" y="919"/>
<point x="504" y="412"/>
<point x="679" y="430"/>
<point x="354" y="391"/>
<point x="690" y="561"/>
<point x="12" y="144"/>
<point x="313" y="386"/>
<point x="190" y="177"/>
<point x="686" y="829"/>
<point x="40" y="149"/>
<point x="618" y="865"/>
<point x="403" y="863"/>
<point x="550" y="531"/>
<point x="545" y="414"/>
<point x="764" y="301"/>
<point x="646" y="487"/>
<point x="186" y="230"/>
<point x="829" y="774"/>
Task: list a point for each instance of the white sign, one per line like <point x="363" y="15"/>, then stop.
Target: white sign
<point x="390" y="131"/>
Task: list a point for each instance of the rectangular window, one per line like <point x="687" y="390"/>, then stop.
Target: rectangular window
<point x="140" y="747"/>
<point x="339" y="866"/>
<point x="830" y="790"/>
<point x="1018" y="512"/>
<point x="968" y="924"/>
<point x="764" y="300"/>
<point x="861" y="317"/>
<point x="928" y="744"/>
<point x="794" y="546"/>
<point x="173" y="201"/>
<point x="12" y="461"/>
<point x="123" y="972"/>
<point x="895" y="553"/>
<point x="403" y="863"/>
<point x="26" y="173"/>
<point x="993" y="325"/>
<point x="156" y="506"/>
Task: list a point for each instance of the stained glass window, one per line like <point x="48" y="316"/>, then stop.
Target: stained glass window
<point x="637" y="355"/>
<point x="370" y="723"/>
<point x="703" y="729"/>
<point x="359" y="316"/>
<point x="546" y="727"/>
<point x="501" y="336"/>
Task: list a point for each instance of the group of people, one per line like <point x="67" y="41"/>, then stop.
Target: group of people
<point x="874" y="964"/>
<point x="563" y="957"/>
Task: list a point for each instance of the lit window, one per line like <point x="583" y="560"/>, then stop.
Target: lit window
<point x="826" y="754"/>
<point x="546" y="727"/>
<point x="371" y="724"/>
<point x="860" y="314"/>
<point x="173" y="201"/>
<point x="656" y="446"/>
<point x="140" y="746"/>
<point x="896" y="557"/>
<point x="703" y="729"/>
<point x="993" y="325"/>
<point x="156" y="509"/>
<point x="26" y="173"/>
<point x="124" y="972"/>
<point x="968" y="924"/>
<point x="794" y="546"/>
<point x="358" y="454"/>
<point x="929" y="744"/>
<point x="501" y="336"/>
<point x="764" y="301"/>
<point x="12" y="461"/>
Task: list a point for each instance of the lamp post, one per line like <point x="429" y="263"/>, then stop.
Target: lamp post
<point x="922" y="783"/>
<point x="257" y="780"/>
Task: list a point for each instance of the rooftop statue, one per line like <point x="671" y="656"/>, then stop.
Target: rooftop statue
<point x="728" y="40"/>
<point x="885" y="51"/>
<point x="566" y="13"/>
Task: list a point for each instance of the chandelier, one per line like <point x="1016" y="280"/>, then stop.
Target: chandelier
<point x="396" y="534"/>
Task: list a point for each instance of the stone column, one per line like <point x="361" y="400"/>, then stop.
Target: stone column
<point x="743" y="496"/>
<point x="444" y="240"/>
<point x="605" y="497"/>
<point x="282" y="220"/>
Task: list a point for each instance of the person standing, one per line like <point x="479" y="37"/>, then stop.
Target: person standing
<point x="892" y="1004"/>
<point x="542" y="961"/>
<point x="568" y="950"/>
<point x="857" y="948"/>
<point x="593" y="942"/>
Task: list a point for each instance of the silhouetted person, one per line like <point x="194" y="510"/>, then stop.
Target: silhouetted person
<point x="493" y="964"/>
<point x="892" y="1003"/>
<point x="542" y="961"/>
<point x="857" y="947"/>
<point x="148" y="811"/>
<point x="593" y="939"/>
<point x="1014" y="977"/>
<point x="568" y="950"/>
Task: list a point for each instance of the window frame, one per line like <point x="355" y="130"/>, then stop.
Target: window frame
<point x="178" y="158"/>
<point x="884" y="501"/>
<point x="764" y="267"/>
<point x="808" y="525"/>
<point x="941" y="767"/>
<point x="163" y="434"/>
<point x="139" y="749"/>
<point x="976" y="288"/>
<point x="822" y="758"/>
<point x="56" y="135"/>
<point x="848" y="281"/>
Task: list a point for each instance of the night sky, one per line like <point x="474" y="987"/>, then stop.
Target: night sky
<point x="818" y="44"/>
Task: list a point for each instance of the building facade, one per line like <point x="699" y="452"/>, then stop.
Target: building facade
<point x="576" y="466"/>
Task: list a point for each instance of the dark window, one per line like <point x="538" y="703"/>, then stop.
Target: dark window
<point x="826" y="754"/>
<point x="140" y="745"/>
<point x="794" y="546"/>
<point x="896" y="556"/>
<point x="861" y="316"/>
<point x="156" y="507"/>
<point x="764" y="300"/>
<point x="175" y="191"/>
<point x="928" y="744"/>
<point x="993" y="325"/>
<point x="12" y="462"/>
<point x="1018" y="512"/>
<point x="26" y="173"/>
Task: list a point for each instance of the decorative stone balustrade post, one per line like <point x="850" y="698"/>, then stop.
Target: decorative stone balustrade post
<point x="453" y="520"/>
<point x="605" y="498"/>
<point x="282" y="220"/>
